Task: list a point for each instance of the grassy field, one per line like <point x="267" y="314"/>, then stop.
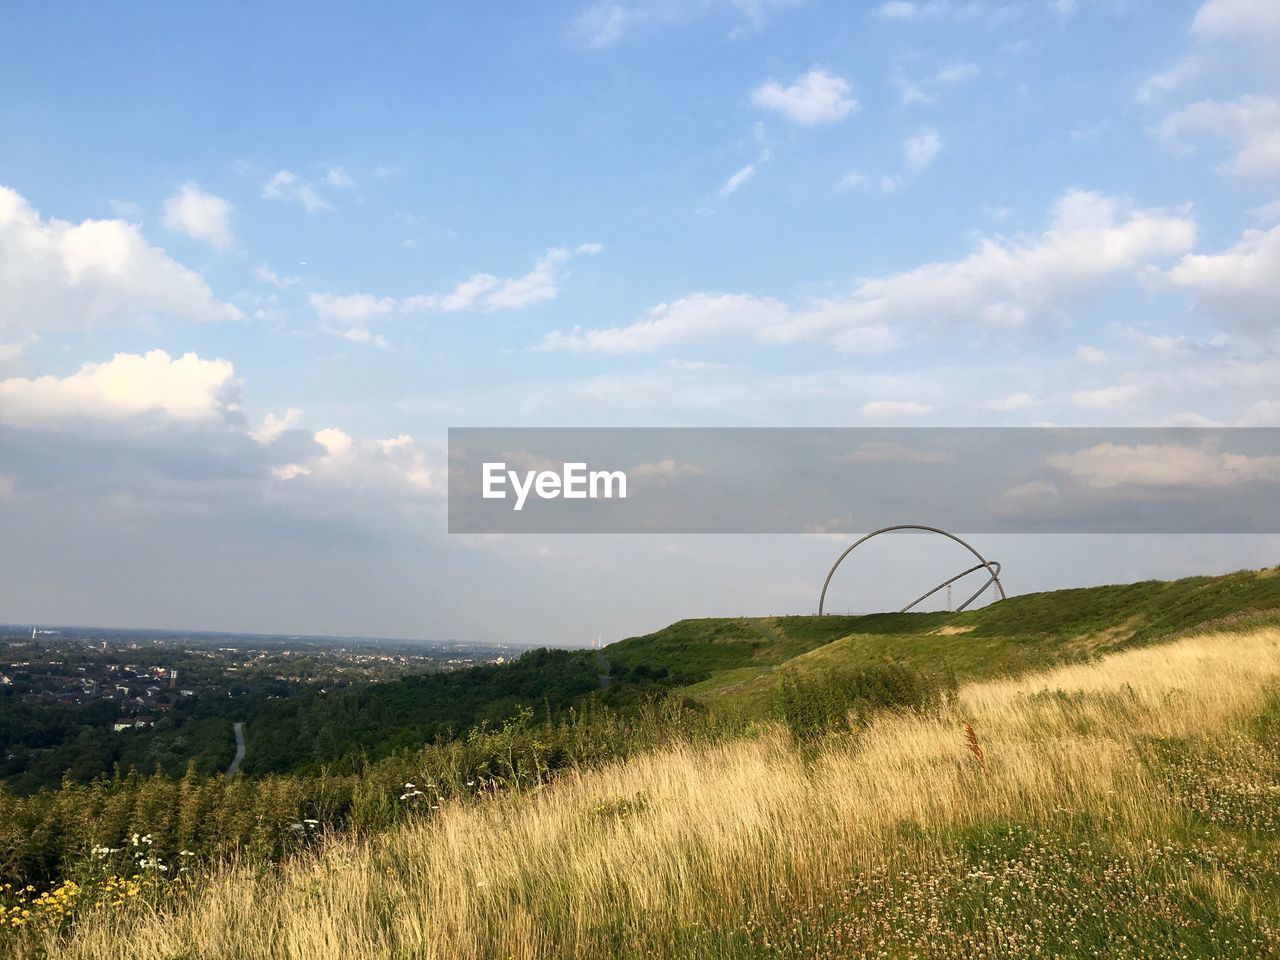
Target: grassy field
<point x="732" y="664"/>
<point x="1124" y="807"/>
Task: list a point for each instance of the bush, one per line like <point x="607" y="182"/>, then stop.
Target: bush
<point x="835" y="701"/>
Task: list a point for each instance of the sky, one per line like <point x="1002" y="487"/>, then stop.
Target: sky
<point x="255" y="260"/>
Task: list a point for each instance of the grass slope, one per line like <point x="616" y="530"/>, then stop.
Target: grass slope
<point x="731" y="664"/>
<point x="1126" y="808"/>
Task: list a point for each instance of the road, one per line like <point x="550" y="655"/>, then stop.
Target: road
<point x="235" y="764"/>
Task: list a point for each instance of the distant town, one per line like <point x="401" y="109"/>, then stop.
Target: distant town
<point x="63" y="688"/>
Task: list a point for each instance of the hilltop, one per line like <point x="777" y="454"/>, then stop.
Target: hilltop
<point x="732" y="663"/>
<point x="996" y="824"/>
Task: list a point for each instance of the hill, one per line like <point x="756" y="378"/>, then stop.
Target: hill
<point x="527" y="810"/>
<point x="1127" y="808"/>
<point x="732" y="664"/>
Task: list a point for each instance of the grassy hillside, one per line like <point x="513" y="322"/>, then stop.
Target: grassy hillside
<point x="1126" y="808"/>
<point x="732" y="664"/>
<point x="1116" y="744"/>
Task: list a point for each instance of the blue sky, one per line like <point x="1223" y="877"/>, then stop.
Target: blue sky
<point x="254" y="261"/>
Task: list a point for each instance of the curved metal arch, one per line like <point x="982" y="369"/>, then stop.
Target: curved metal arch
<point x="992" y="567"/>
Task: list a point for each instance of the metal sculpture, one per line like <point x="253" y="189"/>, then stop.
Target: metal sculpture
<point x="991" y="566"/>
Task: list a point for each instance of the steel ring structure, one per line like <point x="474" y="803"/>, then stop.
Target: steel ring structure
<point x="991" y="566"/>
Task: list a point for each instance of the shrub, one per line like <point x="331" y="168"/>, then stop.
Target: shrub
<point x="835" y="701"/>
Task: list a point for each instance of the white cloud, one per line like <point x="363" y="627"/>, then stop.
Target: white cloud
<point x="352" y="314"/>
<point x="339" y="179"/>
<point x="851" y="181"/>
<point x="1251" y="124"/>
<point x="922" y="149"/>
<point x="1013" y="401"/>
<point x="269" y="276"/>
<point x="1221" y="29"/>
<point x="908" y="10"/>
<point x="896" y="408"/>
<point x="59" y="275"/>
<point x="16" y="348"/>
<point x="601" y="25"/>
<point x="1255" y="20"/>
<point x="334" y="441"/>
<point x="1241" y="284"/>
<point x="1005" y="283"/>
<point x="290" y="471"/>
<point x="1008" y="283"/>
<point x="1108" y="466"/>
<point x="199" y="215"/>
<point x="1164" y="346"/>
<point x="465" y="294"/>
<point x="273" y="427"/>
<point x="696" y="317"/>
<point x="484" y="291"/>
<point x="1264" y="413"/>
<point x="538" y="285"/>
<point x="349" y="465"/>
<point x="353" y="310"/>
<point x="928" y="90"/>
<point x="731" y="185"/>
<point x="1091" y="355"/>
<point x="738" y="179"/>
<point x="1107" y="398"/>
<point x="1172" y="78"/>
<point x="816" y="97"/>
<point x="125" y="209"/>
<point x="287" y="185"/>
<point x="1031" y="490"/>
<point x="1267" y="213"/>
<point x="129" y="385"/>
<point x="957" y="73"/>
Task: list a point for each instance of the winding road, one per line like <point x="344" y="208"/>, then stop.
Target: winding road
<point x="235" y="764"/>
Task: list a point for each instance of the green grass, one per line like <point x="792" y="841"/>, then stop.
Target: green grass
<point x="1069" y="885"/>
<point x="732" y="664"/>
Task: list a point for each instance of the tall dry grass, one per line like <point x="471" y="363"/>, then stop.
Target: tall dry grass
<point x="608" y="863"/>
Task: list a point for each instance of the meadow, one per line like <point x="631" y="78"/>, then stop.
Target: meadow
<point x="1127" y="806"/>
